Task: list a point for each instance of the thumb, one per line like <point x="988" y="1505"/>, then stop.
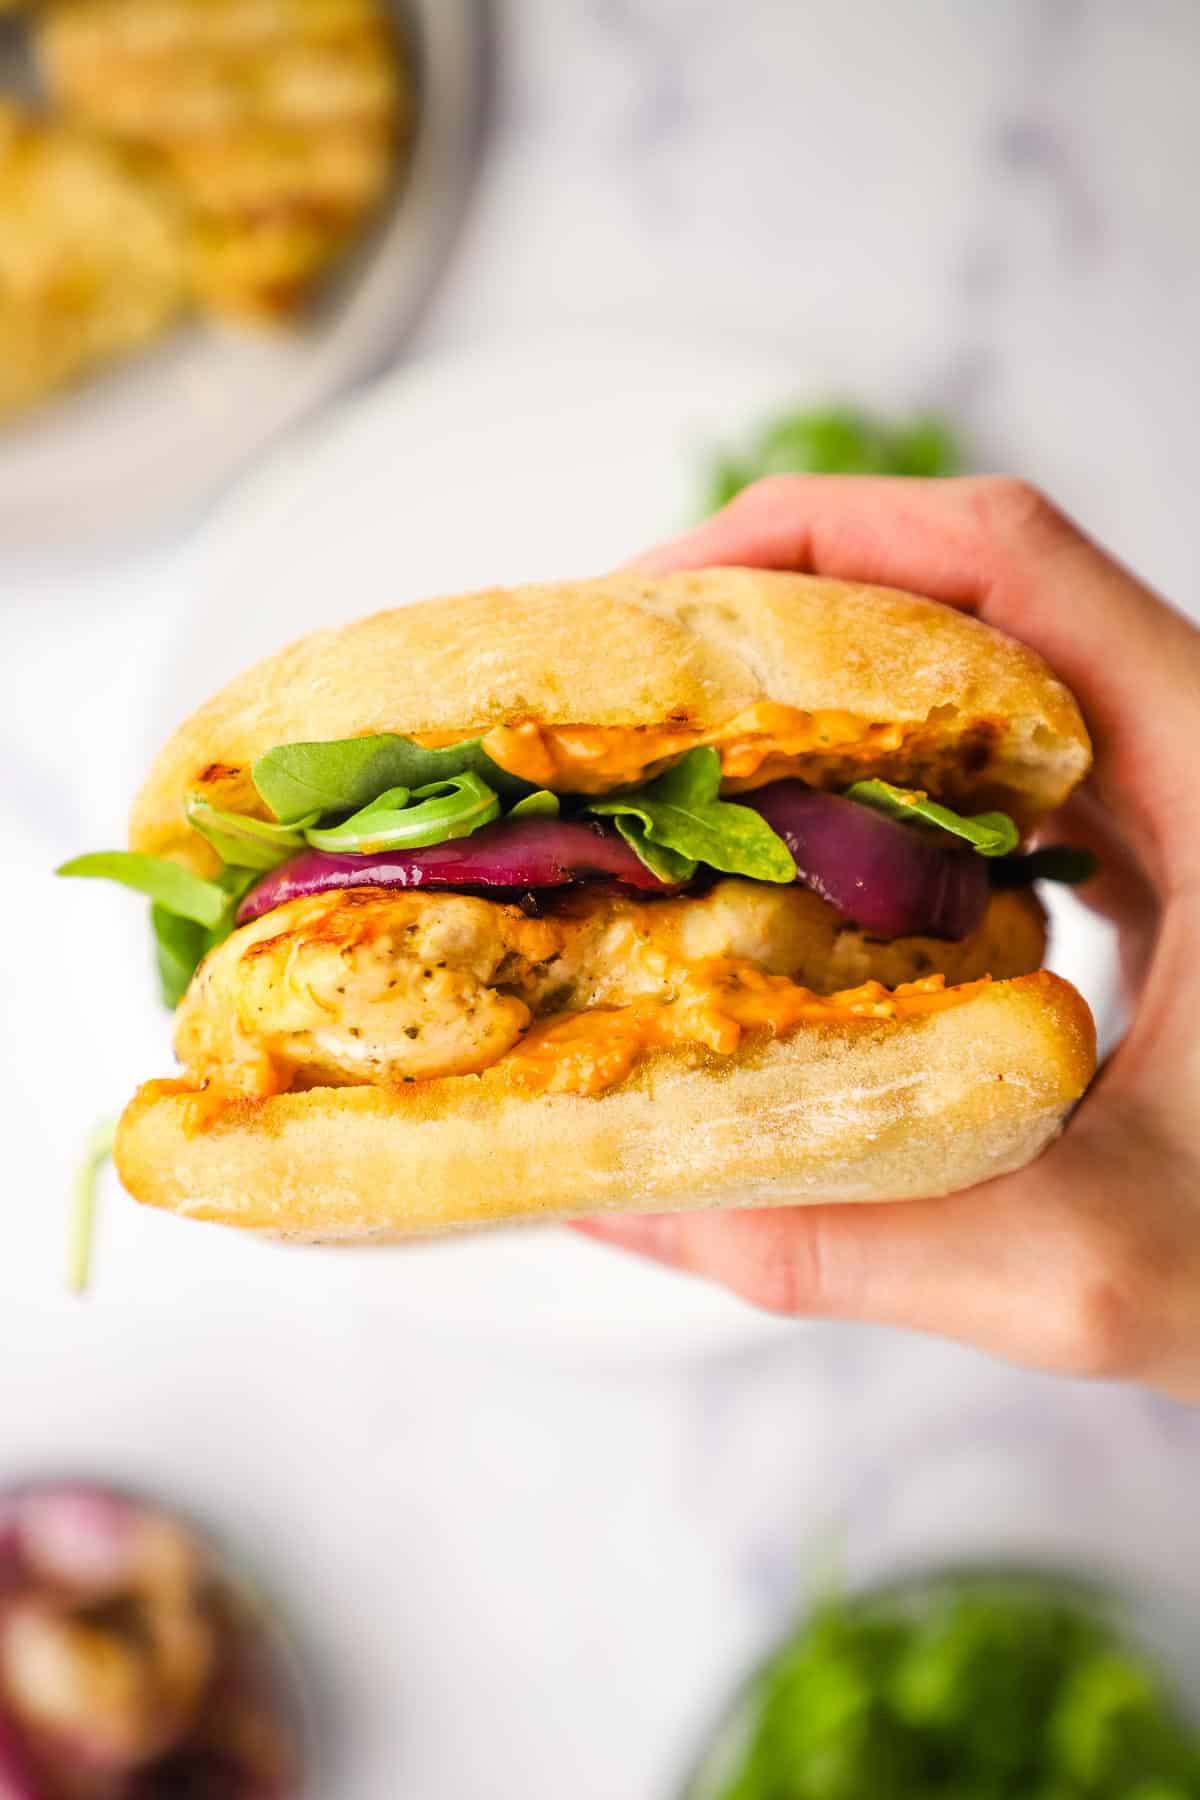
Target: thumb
<point x="1011" y="1267"/>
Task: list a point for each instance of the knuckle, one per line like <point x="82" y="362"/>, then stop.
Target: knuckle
<point x="787" y="1277"/>
<point x="1104" y="1311"/>
<point x="1013" y="510"/>
<point x="776" y="1289"/>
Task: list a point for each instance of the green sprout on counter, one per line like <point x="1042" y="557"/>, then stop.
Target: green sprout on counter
<point x="837" y="440"/>
<point x="83" y="1205"/>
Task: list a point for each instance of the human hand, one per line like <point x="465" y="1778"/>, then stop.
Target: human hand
<point x="1088" y="1261"/>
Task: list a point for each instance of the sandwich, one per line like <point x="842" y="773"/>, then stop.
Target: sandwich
<point x="618" y="894"/>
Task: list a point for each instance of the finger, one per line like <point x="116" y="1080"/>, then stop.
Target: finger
<point x="991" y="545"/>
<point x="955" y="541"/>
<point x="1120" y="890"/>
<point x="1010" y="1267"/>
<point x="996" y="547"/>
<point x="828" y="524"/>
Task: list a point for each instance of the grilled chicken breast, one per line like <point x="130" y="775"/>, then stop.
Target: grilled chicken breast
<point x="376" y="986"/>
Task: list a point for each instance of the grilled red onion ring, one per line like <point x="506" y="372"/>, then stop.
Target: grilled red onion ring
<point x="893" y="880"/>
<point x="521" y="855"/>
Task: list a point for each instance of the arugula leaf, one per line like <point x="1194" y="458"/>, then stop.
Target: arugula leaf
<point x="242" y="842"/>
<point x="346" y="774"/>
<point x="180" y="945"/>
<point x="668" y="865"/>
<point x="445" y="809"/>
<point x="992" y="834"/>
<point x="83" y="1207"/>
<point x="171" y="886"/>
<point x="235" y="883"/>
<point x="836" y="440"/>
<point x="681" y="812"/>
<point x="541" y="804"/>
<point x="926" y="446"/>
<point x="1053" y="862"/>
<point x="189" y="916"/>
<point x="832" y="440"/>
<point x="966" y="1686"/>
<point x="726" y="479"/>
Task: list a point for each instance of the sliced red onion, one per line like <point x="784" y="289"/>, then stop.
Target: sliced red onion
<point x="10" y="1538"/>
<point x="890" y="879"/>
<point x="84" y="1537"/>
<point x="69" y="1544"/>
<point x="17" y="1779"/>
<point x="519" y="854"/>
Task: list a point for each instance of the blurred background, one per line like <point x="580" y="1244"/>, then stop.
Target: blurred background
<point x="321" y="305"/>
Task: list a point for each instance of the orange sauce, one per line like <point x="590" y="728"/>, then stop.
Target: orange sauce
<point x="587" y="1052"/>
<point x="755" y="746"/>
<point x="204" y="1105"/>
<point x="584" y="1053"/>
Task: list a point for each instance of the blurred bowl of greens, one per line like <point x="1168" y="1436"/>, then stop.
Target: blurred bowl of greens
<point x="836" y="440"/>
<point x="970" y="1684"/>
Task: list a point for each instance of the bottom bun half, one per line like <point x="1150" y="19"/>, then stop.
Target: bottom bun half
<point x="864" y="1110"/>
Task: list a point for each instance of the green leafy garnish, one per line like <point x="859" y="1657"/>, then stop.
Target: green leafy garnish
<point x="992" y="834"/>
<point x="83" y="1207"/>
<point x="177" y="889"/>
<point x="681" y="813"/>
<point x="667" y="864"/>
<point x="541" y="804"/>
<point x="180" y="945"/>
<point x="837" y="440"/>
<point x="243" y="842"/>
<point x="189" y="915"/>
<point x="987" y="1689"/>
<point x="310" y="788"/>
<point x="445" y="809"/>
<point x="347" y="774"/>
<point x="1053" y="862"/>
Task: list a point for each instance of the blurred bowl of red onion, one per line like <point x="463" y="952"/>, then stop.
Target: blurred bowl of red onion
<point x="135" y="1663"/>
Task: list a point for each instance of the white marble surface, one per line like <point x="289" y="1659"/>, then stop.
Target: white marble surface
<point x="556" y="1566"/>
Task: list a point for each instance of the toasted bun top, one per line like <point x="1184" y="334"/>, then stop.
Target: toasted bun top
<point x="694" y="652"/>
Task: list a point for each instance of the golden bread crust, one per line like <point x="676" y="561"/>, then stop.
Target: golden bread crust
<point x="864" y="1110"/>
<point x="695" y="651"/>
